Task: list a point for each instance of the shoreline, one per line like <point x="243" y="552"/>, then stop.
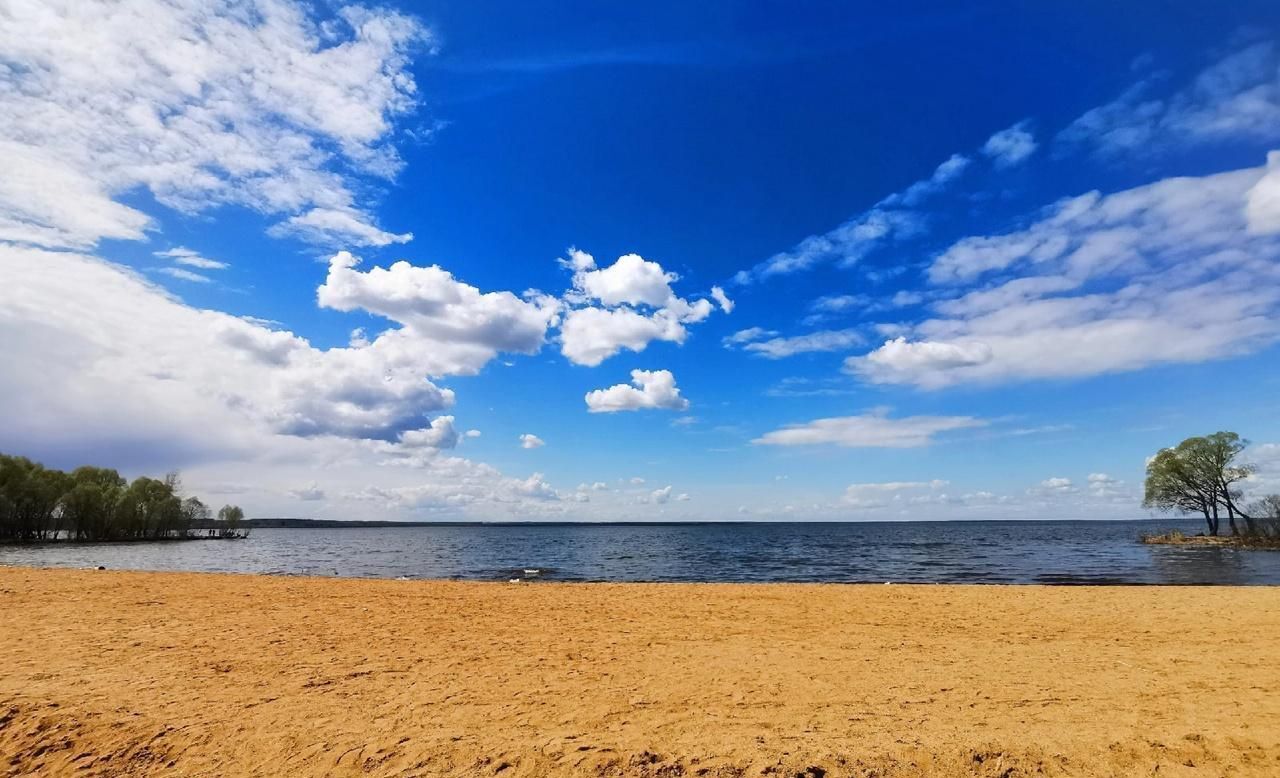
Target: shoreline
<point x="204" y="674"/>
<point x="573" y="582"/>
<point x="1244" y="542"/>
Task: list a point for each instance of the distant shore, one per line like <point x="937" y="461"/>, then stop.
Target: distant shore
<point x="112" y="673"/>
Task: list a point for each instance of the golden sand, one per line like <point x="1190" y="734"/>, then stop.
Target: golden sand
<point x="112" y="673"/>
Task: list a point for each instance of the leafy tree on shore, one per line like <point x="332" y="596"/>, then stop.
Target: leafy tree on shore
<point x="1199" y="475"/>
<point x="94" y="503"/>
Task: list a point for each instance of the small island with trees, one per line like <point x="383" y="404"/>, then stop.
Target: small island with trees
<point x="96" y="504"/>
<point x="1201" y="475"/>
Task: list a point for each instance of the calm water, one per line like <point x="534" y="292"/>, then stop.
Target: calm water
<point x="921" y="552"/>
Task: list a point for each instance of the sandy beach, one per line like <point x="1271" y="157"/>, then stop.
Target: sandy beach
<point x="114" y="673"/>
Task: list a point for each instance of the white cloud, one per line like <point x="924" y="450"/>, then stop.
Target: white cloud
<point x="878" y="495"/>
<point x="1163" y="273"/>
<point x="891" y="219"/>
<point x="722" y="299"/>
<point x="1052" y="486"/>
<point x="943" y="175"/>
<point x="873" y="430"/>
<point x="589" y="336"/>
<point x="104" y="365"/>
<point x="134" y="344"/>
<point x="185" y="256"/>
<point x="344" y="224"/>
<point x="1103" y="485"/>
<point x="648" y="389"/>
<point x="471" y="434"/>
<point x="202" y="104"/>
<point x="439" y="434"/>
<point x="823" y="340"/>
<point x="660" y="496"/>
<point x="528" y="440"/>
<point x="448" y="327"/>
<point x="309" y="493"/>
<point x="1010" y="146"/>
<point x="746" y="336"/>
<point x="632" y="279"/>
<point x="1262" y="202"/>
<point x="844" y="245"/>
<point x="899" y="361"/>
<point x="626" y="305"/>
<point x="1236" y="98"/>
<point x="578" y="261"/>
<point x="184" y="275"/>
<point x="841" y="303"/>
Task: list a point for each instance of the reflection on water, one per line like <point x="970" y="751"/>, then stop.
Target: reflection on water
<point x="1057" y="552"/>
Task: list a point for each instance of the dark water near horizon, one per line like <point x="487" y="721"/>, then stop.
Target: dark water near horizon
<point x="1049" y="552"/>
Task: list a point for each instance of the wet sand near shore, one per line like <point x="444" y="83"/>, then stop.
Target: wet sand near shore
<point x="106" y="673"/>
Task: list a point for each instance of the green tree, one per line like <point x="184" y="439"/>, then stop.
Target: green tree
<point x="91" y="504"/>
<point x="230" y="516"/>
<point x="1172" y="484"/>
<point x="1198" y="475"/>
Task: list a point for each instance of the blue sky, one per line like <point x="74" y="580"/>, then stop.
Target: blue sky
<point x="934" y="261"/>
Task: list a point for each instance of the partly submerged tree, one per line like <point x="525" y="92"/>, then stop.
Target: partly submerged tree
<point x="1199" y="475"/>
<point x="1172" y="484"/>
<point x="230" y="516"/>
<point x="1267" y="507"/>
<point x="91" y="503"/>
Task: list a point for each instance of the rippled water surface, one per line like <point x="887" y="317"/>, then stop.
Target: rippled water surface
<point x="922" y="552"/>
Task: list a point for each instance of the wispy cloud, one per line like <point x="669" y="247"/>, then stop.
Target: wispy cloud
<point x="873" y="430"/>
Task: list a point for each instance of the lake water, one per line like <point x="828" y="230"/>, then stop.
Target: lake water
<point x="1055" y="552"/>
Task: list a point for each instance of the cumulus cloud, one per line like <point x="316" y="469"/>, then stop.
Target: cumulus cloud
<point x="627" y="305"/>
<point x="528" y="440"/>
<point x="660" y="496"/>
<point x="439" y="434"/>
<point x="139" y="347"/>
<point x="649" y="389"/>
<point x="1010" y="146"/>
<point x="872" y="430"/>
<point x="448" y="327"/>
<point x="631" y="279"/>
<point x="1053" y="486"/>
<point x="102" y="361"/>
<point x="899" y="361"/>
<point x="201" y="104"/>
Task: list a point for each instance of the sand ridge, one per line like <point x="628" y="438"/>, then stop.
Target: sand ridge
<point x="114" y="673"/>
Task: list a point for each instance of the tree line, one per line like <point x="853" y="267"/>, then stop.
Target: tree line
<point x="97" y="503"/>
<point x="1202" y="475"/>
